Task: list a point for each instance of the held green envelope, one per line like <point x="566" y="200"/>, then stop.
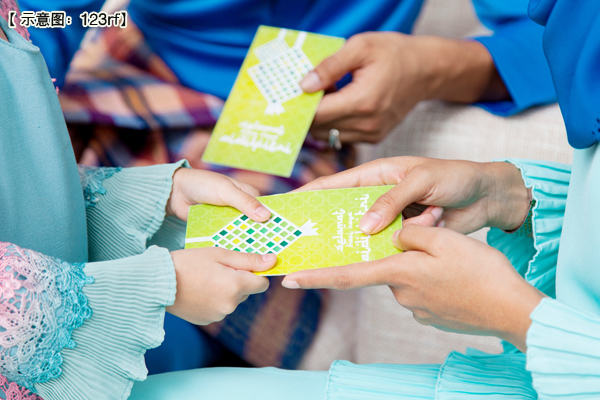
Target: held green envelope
<point x="307" y="230"/>
<point x="267" y="116"/>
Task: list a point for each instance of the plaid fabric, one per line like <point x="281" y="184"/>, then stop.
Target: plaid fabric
<point x="124" y="107"/>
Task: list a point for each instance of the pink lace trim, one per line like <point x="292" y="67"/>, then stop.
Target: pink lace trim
<point x="9" y="284"/>
<point x="10" y="5"/>
<point x="12" y="391"/>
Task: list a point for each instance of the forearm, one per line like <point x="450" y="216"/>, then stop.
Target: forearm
<point x="462" y="71"/>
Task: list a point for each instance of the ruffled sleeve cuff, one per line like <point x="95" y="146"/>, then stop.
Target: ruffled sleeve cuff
<point x="535" y="258"/>
<point x="128" y="209"/>
<point x="382" y="381"/>
<point x="479" y="375"/>
<point x="563" y="351"/>
<point x="128" y="299"/>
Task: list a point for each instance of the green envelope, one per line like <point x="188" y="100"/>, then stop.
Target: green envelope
<point x="267" y="116"/>
<point x="307" y="230"/>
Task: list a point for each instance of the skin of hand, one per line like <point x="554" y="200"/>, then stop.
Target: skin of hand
<point x="3" y="35"/>
<point x="391" y="73"/>
<point x="212" y="282"/>
<point x="473" y="195"/>
<point x="446" y="279"/>
<point x="191" y="186"/>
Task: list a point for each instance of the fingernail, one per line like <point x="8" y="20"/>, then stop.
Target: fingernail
<point x="395" y="235"/>
<point x="369" y="222"/>
<point x="442" y="224"/>
<point x="311" y="82"/>
<point x="290" y="284"/>
<point x="262" y="212"/>
<point x="437" y="212"/>
<point x="269" y="258"/>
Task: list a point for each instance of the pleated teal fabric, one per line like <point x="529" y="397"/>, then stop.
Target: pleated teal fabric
<point x="130" y="211"/>
<point x="100" y="324"/>
<point x="348" y="381"/>
<point x="564" y="352"/>
<point x="128" y="299"/>
<point x="480" y="375"/>
<point x="536" y="258"/>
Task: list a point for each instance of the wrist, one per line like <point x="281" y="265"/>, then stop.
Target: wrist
<point x="518" y="321"/>
<point x="508" y="197"/>
<point x="465" y="72"/>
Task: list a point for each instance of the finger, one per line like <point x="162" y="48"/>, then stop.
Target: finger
<point x="250" y="284"/>
<point x="421" y="238"/>
<point x="245" y="261"/>
<point x="374" y="173"/>
<point x="342" y="278"/>
<point x="251" y="190"/>
<point x="234" y="196"/>
<point x="414" y="210"/>
<point x="339" y="105"/>
<point x="390" y="204"/>
<point x="358" y="123"/>
<point x="333" y="68"/>
<point x="430" y="217"/>
<point x="347" y="136"/>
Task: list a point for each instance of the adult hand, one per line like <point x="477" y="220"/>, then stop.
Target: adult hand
<point x="211" y="282"/>
<point x="446" y="279"/>
<point x="191" y="186"/>
<point x="391" y="73"/>
<point x="473" y="195"/>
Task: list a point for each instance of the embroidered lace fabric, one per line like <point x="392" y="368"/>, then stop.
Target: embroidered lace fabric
<point x="41" y="303"/>
<point x="12" y="391"/>
<point x="91" y="182"/>
<point x="6" y="6"/>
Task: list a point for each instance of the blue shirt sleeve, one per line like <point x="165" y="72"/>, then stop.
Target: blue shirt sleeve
<point x="516" y="47"/>
<point x="58" y="45"/>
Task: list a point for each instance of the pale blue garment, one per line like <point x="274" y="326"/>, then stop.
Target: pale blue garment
<point x="563" y="359"/>
<point x="85" y="327"/>
<point x="40" y="192"/>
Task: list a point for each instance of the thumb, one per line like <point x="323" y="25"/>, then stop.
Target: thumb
<point x="390" y="204"/>
<point x="239" y="198"/>
<point x="333" y="68"/>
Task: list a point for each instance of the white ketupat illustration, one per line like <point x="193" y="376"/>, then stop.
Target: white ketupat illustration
<point x="279" y="71"/>
<point x="243" y="234"/>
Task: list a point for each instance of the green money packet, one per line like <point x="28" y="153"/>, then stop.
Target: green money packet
<point x="307" y="230"/>
<point x="267" y="115"/>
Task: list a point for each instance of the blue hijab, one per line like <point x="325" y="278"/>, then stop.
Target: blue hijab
<point x="572" y="47"/>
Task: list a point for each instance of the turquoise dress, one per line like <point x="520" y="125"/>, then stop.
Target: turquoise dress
<point x="83" y="296"/>
<point x="83" y="289"/>
<point x="563" y="342"/>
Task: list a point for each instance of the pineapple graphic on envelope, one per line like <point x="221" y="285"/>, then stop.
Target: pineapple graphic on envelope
<point x="306" y="230"/>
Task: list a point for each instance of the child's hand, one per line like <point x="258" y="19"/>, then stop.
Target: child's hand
<point x="192" y="186"/>
<point x="211" y="282"/>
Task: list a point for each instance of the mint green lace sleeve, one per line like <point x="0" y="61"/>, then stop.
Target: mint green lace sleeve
<point x="79" y="331"/>
<point x="126" y="210"/>
<point x="535" y="257"/>
<point x="127" y="300"/>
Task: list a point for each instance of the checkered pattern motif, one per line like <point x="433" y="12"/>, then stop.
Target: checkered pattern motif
<point x="243" y="234"/>
<point x="125" y="107"/>
<point x="271" y="49"/>
<point x="278" y="77"/>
